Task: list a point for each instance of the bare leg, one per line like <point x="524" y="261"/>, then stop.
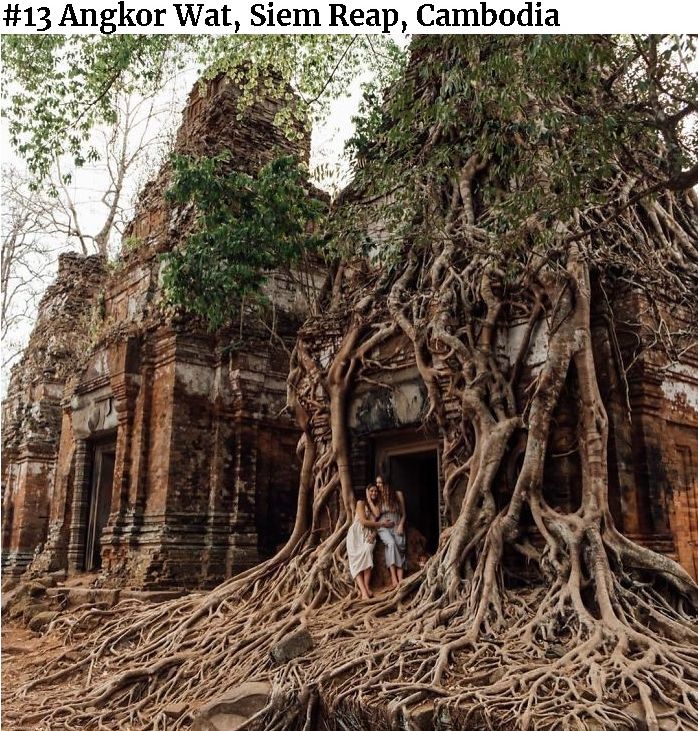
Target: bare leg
<point x="362" y="586"/>
<point x="394" y="575"/>
<point x="367" y="581"/>
<point x="400" y="573"/>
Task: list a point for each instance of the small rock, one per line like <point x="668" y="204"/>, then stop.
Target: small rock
<point x="294" y="645"/>
<point x="48" y="581"/>
<point x="78" y="595"/>
<point x="109" y="596"/>
<point x="230" y="711"/>
<point x="35" y="588"/>
<point x="9" y="583"/>
<point x="175" y="710"/>
<point x="32" y="610"/>
<point x="41" y="620"/>
<point x="557" y="650"/>
<point x="16" y="609"/>
<point x="10" y="597"/>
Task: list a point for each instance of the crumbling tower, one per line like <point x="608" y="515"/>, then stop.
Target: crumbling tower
<point x="170" y="460"/>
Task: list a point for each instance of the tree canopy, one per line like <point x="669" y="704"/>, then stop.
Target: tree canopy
<point x="553" y="118"/>
<point x="58" y="87"/>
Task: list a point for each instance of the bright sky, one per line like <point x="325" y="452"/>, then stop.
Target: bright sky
<point x="89" y="183"/>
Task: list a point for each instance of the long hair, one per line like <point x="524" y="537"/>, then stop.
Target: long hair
<point x="388" y="497"/>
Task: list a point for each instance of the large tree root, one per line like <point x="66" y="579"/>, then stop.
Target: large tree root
<point x="535" y="669"/>
<point x="592" y="632"/>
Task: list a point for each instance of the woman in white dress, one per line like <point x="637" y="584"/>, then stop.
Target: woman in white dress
<point x="361" y="540"/>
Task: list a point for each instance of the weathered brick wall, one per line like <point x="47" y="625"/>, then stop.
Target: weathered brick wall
<point x="663" y="393"/>
<point x="206" y="125"/>
<point x="32" y="409"/>
<point x="214" y="121"/>
<point x="197" y="465"/>
<point x="205" y="473"/>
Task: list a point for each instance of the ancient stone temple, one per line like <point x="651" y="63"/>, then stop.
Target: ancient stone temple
<point x="136" y="443"/>
<point x="653" y="430"/>
<point x="32" y="412"/>
<point x="139" y="445"/>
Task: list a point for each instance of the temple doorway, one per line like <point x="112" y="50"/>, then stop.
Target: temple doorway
<point x="414" y="470"/>
<point x="99" y="503"/>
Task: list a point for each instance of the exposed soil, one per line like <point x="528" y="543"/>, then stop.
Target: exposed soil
<point x="23" y="653"/>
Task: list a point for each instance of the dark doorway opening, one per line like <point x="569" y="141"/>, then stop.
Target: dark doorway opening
<point x="416" y="474"/>
<point x="99" y="503"/>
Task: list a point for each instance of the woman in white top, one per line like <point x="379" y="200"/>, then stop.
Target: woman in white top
<point x="361" y="540"/>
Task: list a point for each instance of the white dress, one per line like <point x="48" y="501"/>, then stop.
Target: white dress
<point x="361" y="541"/>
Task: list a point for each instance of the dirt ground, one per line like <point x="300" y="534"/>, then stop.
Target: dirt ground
<point x="23" y="652"/>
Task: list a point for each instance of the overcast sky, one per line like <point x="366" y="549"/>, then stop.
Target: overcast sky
<point x="89" y="183"/>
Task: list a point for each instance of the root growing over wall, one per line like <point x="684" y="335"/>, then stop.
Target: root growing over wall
<point x="603" y="634"/>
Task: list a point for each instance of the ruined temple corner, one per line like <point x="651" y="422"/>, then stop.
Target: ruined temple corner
<point x="140" y="448"/>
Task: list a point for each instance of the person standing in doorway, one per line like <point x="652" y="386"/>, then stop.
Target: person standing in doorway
<point x="390" y="506"/>
<point x="361" y="540"/>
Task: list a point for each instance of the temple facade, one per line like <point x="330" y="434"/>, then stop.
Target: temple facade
<point x="652" y="406"/>
<point x="140" y="445"/>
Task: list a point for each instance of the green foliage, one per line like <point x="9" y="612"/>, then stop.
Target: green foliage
<point x="244" y="228"/>
<point x="554" y="117"/>
<point x="57" y="88"/>
<point x="131" y="243"/>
